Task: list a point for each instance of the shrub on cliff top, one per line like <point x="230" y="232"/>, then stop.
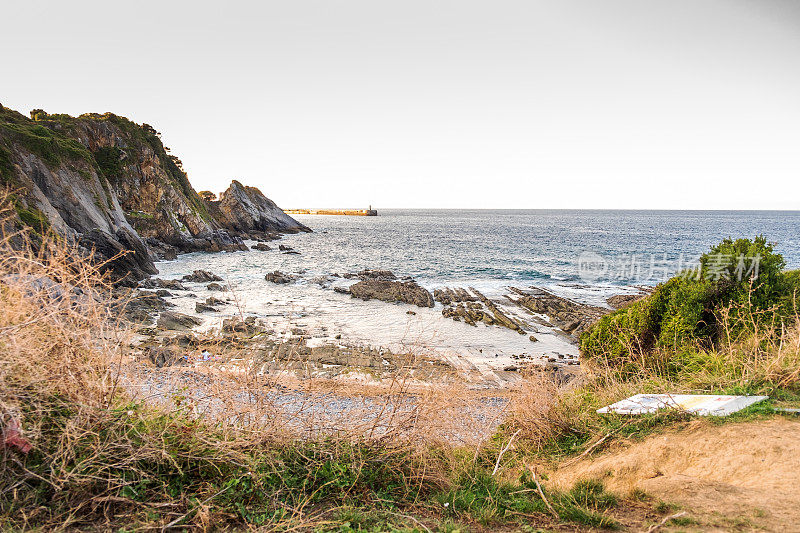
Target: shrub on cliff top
<point x="53" y="147"/>
<point x="743" y="277"/>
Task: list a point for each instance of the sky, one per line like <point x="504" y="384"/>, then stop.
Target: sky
<point x="671" y="104"/>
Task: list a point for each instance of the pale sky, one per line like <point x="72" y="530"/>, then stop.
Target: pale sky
<point x="531" y="104"/>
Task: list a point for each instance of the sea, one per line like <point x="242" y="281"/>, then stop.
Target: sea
<point x="585" y="255"/>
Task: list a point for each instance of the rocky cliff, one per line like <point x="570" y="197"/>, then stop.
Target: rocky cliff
<point x="246" y="211"/>
<point x="110" y="185"/>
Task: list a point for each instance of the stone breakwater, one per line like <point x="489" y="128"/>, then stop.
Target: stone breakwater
<point x="348" y="212"/>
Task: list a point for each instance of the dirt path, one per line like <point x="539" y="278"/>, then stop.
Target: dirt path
<point x="734" y="477"/>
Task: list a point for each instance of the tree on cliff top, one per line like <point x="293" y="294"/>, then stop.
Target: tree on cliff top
<point x="38" y="114"/>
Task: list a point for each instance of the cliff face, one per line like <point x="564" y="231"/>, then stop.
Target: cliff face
<point x="109" y="184"/>
<point x="246" y="211"/>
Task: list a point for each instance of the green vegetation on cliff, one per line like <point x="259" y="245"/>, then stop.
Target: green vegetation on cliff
<point x="109" y="162"/>
<point x="125" y="156"/>
<point x="110" y="159"/>
<point x="33" y="218"/>
<point x="50" y="145"/>
<point x="6" y="167"/>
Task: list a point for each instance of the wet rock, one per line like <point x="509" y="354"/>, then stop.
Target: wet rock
<point x="469" y="315"/>
<point x="213" y="241"/>
<point x="215" y="287"/>
<point x="341" y="290"/>
<point x="176" y="321"/>
<point x="201" y="276"/>
<point x="214" y="301"/>
<point x="533" y="339"/>
<point x="570" y="316"/>
<point x="285" y="248"/>
<point x="156" y="283"/>
<point x="163" y="293"/>
<point x="143" y="305"/>
<point x="200" y="307"/>
<point x="385" y="275"/>
<point x="498" y="316"/>
<point x="291" y="252"/>
<point x="620" y="301"/>
<point x="447" y="296"/>
<point x="262" y="247"/>
<point x="237" y="325"/>
<point x="162" y="356"/>
<point x="123" y="257"/>
<point x="392" y="291"/>
<point x="322" y="281"/>
<point x="279" y="277"/>
<point x="161" y="250"/>
<point x="557" y="373"/>
<point x="183" y="339"/>
<point x="473" y="307"/>
<point x="411" y="312"/>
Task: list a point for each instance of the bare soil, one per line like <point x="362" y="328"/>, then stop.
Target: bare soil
<point x="732" y="477"/>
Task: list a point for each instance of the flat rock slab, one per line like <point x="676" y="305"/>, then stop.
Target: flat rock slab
<point x="696" y="404"/>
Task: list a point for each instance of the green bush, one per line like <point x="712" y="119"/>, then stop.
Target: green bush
<point x="744" y="276"/>
<point x="50" y="146"/>
<point x="6" y="167"/>
<point x="109" y="161"/>
<point x="33" y="218"/>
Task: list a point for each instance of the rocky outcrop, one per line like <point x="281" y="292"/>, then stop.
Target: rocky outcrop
<point x="123" y="256"/>
<point x="148" y="182"/>
<point x="620" y="301"/>
<point x="279" y="277"/>
<point x="176" y="321"/>
<point x="392" y="291"/>
<point x="201" y="307"/>
<point x="570" y="316"/>
<point x="157" y="283"/>
<point x="141" y="306"/>
<point x="245" y="211"/>
<point x="201" y="276"/>
<point x="109" y="185"/>
<point x="447" y="296"/>
<point x="385" y="275"/>
<point x="237" y="325"/>
<point x="473" y="307"/>
<point x="162" y="356"/>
